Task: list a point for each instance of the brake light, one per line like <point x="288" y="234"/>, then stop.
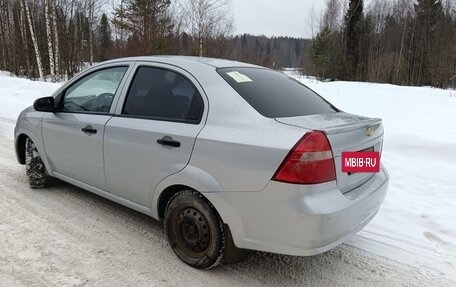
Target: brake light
<point x="310" y="161"/>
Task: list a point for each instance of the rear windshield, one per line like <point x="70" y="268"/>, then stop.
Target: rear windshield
<point x="274" y="94"/>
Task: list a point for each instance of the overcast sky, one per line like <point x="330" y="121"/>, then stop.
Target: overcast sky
<point x="276" y="17"/>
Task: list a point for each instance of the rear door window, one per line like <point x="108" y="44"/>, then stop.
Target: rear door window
<point x="274" y="94"/>
<point x="164" y="95"/>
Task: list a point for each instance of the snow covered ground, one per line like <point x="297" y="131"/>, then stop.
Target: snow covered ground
<point x="417" y="223"/>
<point x="17" y="94"/>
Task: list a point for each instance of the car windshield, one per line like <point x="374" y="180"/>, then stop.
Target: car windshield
<point x="274" y="94"/>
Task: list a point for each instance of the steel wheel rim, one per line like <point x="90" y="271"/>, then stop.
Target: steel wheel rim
<point x="192" y="232"/>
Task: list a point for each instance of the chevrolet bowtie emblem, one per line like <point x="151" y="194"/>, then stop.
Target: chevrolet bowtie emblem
<point x="369" y="132"/>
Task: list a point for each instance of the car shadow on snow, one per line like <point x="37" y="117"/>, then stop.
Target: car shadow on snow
<point x="260" y="268"/>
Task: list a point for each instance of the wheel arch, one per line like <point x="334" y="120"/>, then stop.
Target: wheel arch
<point x="193" y="178"/>
<point x="20" y="140"/>
<point x="170" y="191"/>
<point x="190" y="178"/>
<point x="166" y="195"/>
<point x="20" y="148"/>
<point x="233" y="253"/>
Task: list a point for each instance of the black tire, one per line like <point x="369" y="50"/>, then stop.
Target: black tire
<point x="34" y="166"/>
<point x="194" y="230"/>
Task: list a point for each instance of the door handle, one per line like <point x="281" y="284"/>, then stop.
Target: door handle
<point x="88" y="129"/>
<point x="168" y="141"/>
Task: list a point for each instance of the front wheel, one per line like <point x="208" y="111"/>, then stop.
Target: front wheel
<point x="194" y="230"/>
<point x="34" y="166"/>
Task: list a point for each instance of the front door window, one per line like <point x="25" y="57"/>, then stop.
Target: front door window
<point x="93" y="93"/>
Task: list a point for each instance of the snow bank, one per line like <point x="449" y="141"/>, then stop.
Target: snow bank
<point x="419" y="213"/>
<point x="17" y="94"/>
<point x="417" y="222"/>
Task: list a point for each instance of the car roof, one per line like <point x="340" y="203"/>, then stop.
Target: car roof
<point x="186" y="61"/>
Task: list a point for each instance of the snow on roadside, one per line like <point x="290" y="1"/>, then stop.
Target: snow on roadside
<point x="17" y="94"/>
<point x="419" y="213"/>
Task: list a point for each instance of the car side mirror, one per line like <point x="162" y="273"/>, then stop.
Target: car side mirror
<point x="46" y="104"/>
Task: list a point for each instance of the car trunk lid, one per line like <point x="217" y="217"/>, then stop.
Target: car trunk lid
<point x="345" y="132"/>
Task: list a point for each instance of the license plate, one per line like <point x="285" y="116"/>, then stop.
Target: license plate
<point x="366" y="160"/>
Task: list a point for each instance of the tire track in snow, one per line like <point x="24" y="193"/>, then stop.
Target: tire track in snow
<point x="64" y="236"/>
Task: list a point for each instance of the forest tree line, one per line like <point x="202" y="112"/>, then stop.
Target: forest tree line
<point x="391" y="41"/>
<point x="48" y="39"/>
<point x="396" y="41"/>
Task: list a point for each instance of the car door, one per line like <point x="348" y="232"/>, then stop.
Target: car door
<point x="73" y="135"/>
<point x="153" y="133"/>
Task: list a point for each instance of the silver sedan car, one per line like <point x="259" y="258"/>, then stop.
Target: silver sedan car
<point x="230" y="156"/>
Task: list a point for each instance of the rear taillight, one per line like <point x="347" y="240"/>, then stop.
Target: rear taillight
<point x="310" y="161"/>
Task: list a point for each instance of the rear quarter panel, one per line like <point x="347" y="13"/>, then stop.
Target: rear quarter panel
<point x="238" y="147"/>
<point x="243" y="157"/>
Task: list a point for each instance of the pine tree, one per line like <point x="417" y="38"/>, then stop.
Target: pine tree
<point x="352" y="34"/>
<point x="146" y="20"/>
<point x="321" y="53"/>
<point x="423" y="40"/>
<point x="104" y="38"/>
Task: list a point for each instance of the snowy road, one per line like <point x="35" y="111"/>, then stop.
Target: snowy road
<point x="64" y="236"/>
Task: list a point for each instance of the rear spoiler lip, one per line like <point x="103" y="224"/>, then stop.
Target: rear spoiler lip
<point x="346" y="128"/>
<point x="364" y="123"/>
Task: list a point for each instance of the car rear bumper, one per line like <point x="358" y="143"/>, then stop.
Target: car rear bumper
<point x="299" y="220"/>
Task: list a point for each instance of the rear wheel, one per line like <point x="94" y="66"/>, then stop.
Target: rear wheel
<point x="194" y="230"/>
<point x="34" y="166"/>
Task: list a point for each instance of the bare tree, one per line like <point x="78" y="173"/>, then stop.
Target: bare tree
<point x="91" y="10"/>
<point x="49" y="39"/>
<point x="119" y="27"/>
<point x="4" y="8"/>
<point x="311" y="19"/>
<point x="56" y="35"/>
<point x="206" y="19"/>
<point x="24" y="5"/>
<point x="333" y="15"/>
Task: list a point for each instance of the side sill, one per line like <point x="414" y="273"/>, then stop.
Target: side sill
<point x="105" y="194"/>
